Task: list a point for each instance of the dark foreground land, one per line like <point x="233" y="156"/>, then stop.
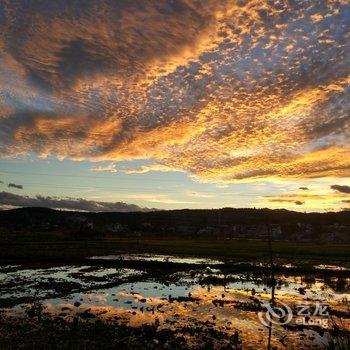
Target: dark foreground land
<point x="73" y="288"/>
<point x="55" y="333"/>
<point x="56" y="247"/>
<point x="130" y="303"/>
<point x="57" y="293"/>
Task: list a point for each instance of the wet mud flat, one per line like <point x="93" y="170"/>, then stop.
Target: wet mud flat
<point x="156" y="302"/>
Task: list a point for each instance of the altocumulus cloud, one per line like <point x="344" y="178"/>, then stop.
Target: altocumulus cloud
<point x="13" y="200"/>
<point x="224" y="90"/>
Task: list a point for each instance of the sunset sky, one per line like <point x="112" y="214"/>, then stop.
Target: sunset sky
<point x="175" y="104"/>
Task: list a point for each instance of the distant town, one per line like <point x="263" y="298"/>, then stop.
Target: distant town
<point x="221" y="224"/>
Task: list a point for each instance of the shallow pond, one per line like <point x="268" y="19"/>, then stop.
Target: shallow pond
<point x="204" y="295"/>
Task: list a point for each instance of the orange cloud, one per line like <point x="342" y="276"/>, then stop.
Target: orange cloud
<point x="110" y="168"/>
<point x="326" y="199"/>
<point x="224" y="90"/>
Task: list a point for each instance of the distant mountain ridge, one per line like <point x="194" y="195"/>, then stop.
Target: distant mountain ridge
<point x="224" y="216"/>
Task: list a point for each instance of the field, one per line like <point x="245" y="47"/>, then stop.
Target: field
<point x="105" y="293"/>
<point x="57" y="246"/>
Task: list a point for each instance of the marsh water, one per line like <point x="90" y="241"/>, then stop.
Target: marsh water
<point x="173" y="292"/>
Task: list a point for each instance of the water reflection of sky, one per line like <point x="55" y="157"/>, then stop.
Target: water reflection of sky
<point x="159" y="258"/>
<point x="145" y="302"/>
<point x="201" y="295"/>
